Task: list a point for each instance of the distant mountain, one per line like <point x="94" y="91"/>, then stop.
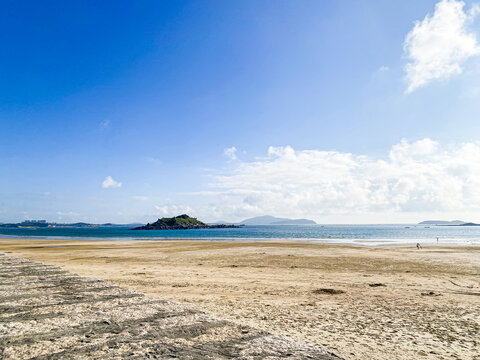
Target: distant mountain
<point x="442" y="222"/>
<point x="45" y="224"/>
<point x="271" y="220"/>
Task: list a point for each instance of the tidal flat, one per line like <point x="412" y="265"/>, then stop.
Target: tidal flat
<point x="358" y="302"/>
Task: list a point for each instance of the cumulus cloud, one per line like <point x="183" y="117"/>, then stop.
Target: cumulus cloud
<point x="419" y="177"/>
<point x="438" y="45"/>
<point x="173" y="210"/>
<point x="231" y="153"/>
<point x="110" y="183"/>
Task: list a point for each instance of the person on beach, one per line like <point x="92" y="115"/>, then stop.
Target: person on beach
<point x="419" y="246"/>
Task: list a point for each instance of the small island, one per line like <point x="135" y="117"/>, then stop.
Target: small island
<point x="448" y="223"/>
<point x="182" y="222"/>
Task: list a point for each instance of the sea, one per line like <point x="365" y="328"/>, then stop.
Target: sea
<point x="366" y="235"/>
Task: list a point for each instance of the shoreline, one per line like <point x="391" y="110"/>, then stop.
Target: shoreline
<point x="381" y="242"/>
<point x="357" y="301"/>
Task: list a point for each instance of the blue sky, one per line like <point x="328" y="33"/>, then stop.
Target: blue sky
<point x="152" y="93"/>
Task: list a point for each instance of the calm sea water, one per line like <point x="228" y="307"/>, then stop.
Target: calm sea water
<point x="351" y="234"/>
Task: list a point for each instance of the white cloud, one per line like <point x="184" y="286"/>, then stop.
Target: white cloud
<point x="438" y="46"/>
<point x="231" y="153"/>
<point x="110" y="183"/>
<point x="418" y="178"/>
<point x="173" y="210"/>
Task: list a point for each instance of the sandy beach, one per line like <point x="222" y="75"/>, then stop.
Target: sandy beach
<point x="391" y="302"/>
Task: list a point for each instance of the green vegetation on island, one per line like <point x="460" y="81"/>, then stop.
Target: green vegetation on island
<point x="181" y="222"/>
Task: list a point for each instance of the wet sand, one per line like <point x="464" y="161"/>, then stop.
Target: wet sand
<point x="359" y="302"/>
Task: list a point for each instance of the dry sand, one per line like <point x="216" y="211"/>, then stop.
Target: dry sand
<point x="360" y="303"/>
<point x="47" y="313"/>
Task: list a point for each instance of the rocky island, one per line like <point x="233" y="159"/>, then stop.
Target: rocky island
<point x="182" y="222"/>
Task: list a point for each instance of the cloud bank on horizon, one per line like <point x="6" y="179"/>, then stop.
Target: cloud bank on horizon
<point x="420" y="177"/>
<point x="439" y="45"/>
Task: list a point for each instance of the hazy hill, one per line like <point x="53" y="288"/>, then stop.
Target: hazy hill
<point x="441" y="222"/>
<point x="45" y="224"/>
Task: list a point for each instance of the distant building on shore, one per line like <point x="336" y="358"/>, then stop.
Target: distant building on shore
<point x="32" y="222"/>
